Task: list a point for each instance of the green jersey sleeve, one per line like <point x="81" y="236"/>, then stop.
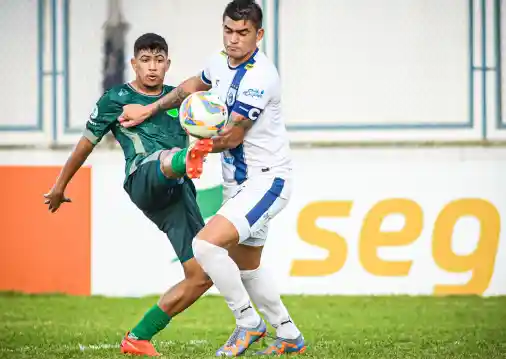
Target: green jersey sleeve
<point x="105" y="113"/>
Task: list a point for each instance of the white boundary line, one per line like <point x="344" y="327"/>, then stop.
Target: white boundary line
<point x="91" y="347"/>
<point x="165" y="343"/>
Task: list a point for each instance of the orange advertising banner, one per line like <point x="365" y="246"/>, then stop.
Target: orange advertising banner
<point x="41" y="252"/>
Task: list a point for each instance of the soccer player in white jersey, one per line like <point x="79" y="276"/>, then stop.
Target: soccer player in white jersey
<point x="257" y="179"/>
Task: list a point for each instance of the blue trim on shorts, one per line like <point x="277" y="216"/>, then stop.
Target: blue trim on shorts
<point x="241" y="168"/>
<point x="266" y="202"/>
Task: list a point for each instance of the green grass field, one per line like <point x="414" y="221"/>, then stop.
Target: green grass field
<point x="335" y="327"/>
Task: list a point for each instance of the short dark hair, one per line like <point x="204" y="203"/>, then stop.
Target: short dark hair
<point x="150" y="41"/>
<point x="244" y="10"/>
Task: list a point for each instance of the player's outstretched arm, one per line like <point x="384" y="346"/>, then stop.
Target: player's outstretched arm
<point x="134" y="115"/>
<point x="176" y="97"/>
<point x="56" y="195"/>
<point x="233" y="134"/>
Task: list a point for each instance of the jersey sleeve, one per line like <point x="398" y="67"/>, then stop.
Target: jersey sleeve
<point x="206" y="75"/>
<point x="254" y="95"/>
<point x="103" y="116"/>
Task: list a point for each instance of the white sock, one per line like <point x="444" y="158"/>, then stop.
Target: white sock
<point x="227" y="278"/>
<point x="262" y="291"/>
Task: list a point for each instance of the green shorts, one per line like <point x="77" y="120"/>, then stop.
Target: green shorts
<point x="171" y="204"/>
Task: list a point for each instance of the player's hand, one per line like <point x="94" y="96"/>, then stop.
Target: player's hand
<point x="54" y="199"/>
<point x="134" y="115"/>
<point x="224" y="133"/>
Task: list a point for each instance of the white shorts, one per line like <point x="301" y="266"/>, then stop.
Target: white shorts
<point x="251" y="205"/>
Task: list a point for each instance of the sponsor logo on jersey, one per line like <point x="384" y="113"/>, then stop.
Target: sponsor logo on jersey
<point x="255" y="93"/>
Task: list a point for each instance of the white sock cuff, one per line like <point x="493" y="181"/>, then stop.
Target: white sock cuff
<point x="250" y="274"/>
<point x="203" y="249"/>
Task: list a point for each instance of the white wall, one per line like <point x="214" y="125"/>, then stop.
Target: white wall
<point x="366" y="62"/>
<point x="19" y="62"/>
<point x="369" y="70"/>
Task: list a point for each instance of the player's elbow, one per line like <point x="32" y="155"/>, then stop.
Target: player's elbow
<point x="194" y="84"/>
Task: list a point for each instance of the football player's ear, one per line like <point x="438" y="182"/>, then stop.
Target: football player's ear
<point x="168" y="65"/>
<point x="133" y="63"/>
<point x="260" y="34"/>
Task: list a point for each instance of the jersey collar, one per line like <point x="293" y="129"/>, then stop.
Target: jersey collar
<point x="250" y="60"/>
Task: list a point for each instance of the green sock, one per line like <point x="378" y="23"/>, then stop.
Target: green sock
<point x="178" y="161"/>
<point x="154" y="321"/>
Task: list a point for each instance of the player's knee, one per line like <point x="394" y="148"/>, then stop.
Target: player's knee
<point x="166" y="163"/>
<point x="220" y="232"/>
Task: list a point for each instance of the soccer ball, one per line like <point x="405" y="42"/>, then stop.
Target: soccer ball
<point x="202" y="114"/>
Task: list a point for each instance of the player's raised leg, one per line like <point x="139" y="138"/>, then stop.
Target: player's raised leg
<point x="263" y="293"/>
<point x="189" y="161"/>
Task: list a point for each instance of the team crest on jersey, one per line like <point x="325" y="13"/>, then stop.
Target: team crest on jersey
<point x="94" y="113"/>
<point x="232" y="93"/>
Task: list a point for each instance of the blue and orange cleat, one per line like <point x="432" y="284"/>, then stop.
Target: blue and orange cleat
<point x="285" y="346"/>
<point x="197" y="152"/>
<point x="241" y="339"/>
<point x="137" y="347"/>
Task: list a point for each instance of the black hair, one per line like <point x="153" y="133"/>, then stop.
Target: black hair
<point x="244" y="10"/>
<point x="150" y="42"/>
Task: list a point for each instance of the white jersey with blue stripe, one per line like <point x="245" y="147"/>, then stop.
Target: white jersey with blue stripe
<point x="253" y="90"/>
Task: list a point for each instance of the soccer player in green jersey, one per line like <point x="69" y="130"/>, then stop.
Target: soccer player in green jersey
<point x="158" y="168"/>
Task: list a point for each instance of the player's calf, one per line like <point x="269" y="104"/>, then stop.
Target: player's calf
<point x="173" y="302"/>
<point x="186" y="292"/>
<point x="210" y="249"/>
